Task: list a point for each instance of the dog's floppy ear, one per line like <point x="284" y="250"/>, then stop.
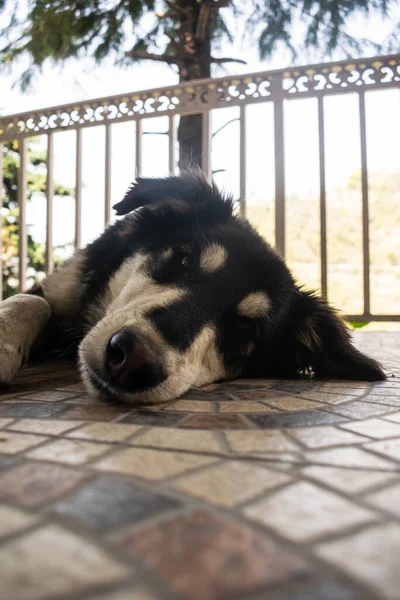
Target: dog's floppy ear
<point x="181" y="194"/>
<point x="318" y="338"/>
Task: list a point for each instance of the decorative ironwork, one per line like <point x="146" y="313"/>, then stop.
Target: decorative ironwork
<point x="204" y="95"/>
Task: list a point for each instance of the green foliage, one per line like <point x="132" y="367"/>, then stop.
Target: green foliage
<point x="10" y="214"/>
<point x="174" y="31"/>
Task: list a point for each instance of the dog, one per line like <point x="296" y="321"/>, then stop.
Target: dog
<point x="181" y="292"/>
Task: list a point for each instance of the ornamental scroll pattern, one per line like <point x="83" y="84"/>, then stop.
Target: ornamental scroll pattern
<point x="192" y="97"/>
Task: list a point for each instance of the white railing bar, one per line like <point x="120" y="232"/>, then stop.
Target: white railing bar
<point x="171" y="145"/>
<point x="49" y="203"/>
<point x="365" y="204"/>
<point x="230" y="80"/>
<point x="22" y="194"/>
<point x="279" y="145"/>
<point x="242" y="159"/>
<point x="206" y="145"/>
<point x="1" y="219"/>
<point x="138" y="148"/>
<point x="322" y="198"/>
<point x="107" y="177"/>
<point x="78" y="190"/>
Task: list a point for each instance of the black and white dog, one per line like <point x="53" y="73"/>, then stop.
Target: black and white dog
<point x="179" y="293"/>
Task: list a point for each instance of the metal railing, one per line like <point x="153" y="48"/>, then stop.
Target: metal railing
<point x="203" y="96"/>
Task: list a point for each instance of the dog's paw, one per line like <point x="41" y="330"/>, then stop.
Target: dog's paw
<point x="11" y="358"/>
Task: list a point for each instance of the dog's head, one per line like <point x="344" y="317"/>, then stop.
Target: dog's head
<point x="199" y="297"/>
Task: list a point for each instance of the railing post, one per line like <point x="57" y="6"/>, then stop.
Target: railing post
<point x="171" y="145"/>
<point x="78" y="190"/>
<point x="279" y="145"/>
<point x="138" y="147"/>
<point x="365" y="204"/>
<point x="107" y="177"/>
<point x="242" y="154"/>
<point x="22" y="193"/>
<point x="49" y="204"/>
<point x="1" y="220"/>
<point x="206" y="145"/>
<point x="322" y="198"/>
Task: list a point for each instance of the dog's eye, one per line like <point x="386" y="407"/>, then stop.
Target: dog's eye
<point x="186" y="261"/>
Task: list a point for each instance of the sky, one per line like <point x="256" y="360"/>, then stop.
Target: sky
<point x="79" y="80"/>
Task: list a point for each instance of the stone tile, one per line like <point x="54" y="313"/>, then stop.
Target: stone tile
<point x="75" y="387"/>
<point x="296" y="419"/>
<point x="211" y="557"/>
<point x="12" y="442"/>
<point x="230" y="483"/>
<point x="351" y="481"/>
<point x="71" y="452"/>
<point x="349" y="457"/>
<point x="360" y="410"/>
<point x="150" y="417"/>
<point x="326" y="590"/>
<point x="294" y="387"/>
<point x="50" y="396"/>
<point x="374" y="559"/>
<point x="6" y="462"/>
<point x="260" y="441"/>
<point x="345" y="387"/>
<point x="389" y="448"/>
<point x="387" y="499"/>
<point x="104" y="432"/>
<point x="303" y="512"/>
<point x="154" y="465"/>
<point x="375" y="428"/>
<point x="389" y="401"/>
<point x="219" y="421"/>
<point x="244" y="406"/>
<point x="333" y="398"/>
<point x="13" y="520"/>
<point x="179" y="439"/>
<point x="39" y="410"/>
<point x="254" y="394"/>
<point x="137" y="593"/>
<point x="31" y="484"/>
<point x="290" y="403"/>
<point x="44" y="426"/>
<point x="5" y="422"/>
<point x="325" y="436"/>
<point x="94" y="413"/>
<point x="54" y="562"/>
<point x="112" y="502"/>
<point x="191" y="406"/>
<point x="394" y="417"/>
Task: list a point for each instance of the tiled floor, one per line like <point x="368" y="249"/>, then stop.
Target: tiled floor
<point x="264" y="490"/>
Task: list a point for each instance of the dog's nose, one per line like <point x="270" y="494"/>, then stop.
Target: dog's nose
<point x="125" y="352"/>
<point x="130" y="361"/>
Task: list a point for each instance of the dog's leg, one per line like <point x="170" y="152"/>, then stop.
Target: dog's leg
<point x="22" y="317"/>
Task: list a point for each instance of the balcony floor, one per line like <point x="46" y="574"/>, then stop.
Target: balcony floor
<point x="253" y="489"/>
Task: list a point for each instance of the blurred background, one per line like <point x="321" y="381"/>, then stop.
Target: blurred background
<point x="61" y="52"/>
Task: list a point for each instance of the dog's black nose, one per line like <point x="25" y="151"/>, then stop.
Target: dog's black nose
<point x="131" y="361"/>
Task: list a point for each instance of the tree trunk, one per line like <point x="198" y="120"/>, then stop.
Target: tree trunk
<point x="195" y="43"/>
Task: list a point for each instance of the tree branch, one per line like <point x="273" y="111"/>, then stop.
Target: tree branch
<point x="143" y="55"/>
<point x="220" y="61"/>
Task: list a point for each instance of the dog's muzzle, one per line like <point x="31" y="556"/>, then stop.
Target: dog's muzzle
<point x="131" y="363"/>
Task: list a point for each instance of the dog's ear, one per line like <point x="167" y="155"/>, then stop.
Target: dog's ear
<point x="318" y="339"/>
<point x="312" y="338"/>
<point x="190" y="191"/>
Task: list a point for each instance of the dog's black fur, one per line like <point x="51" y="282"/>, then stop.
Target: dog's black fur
<point x="173" y="221"/>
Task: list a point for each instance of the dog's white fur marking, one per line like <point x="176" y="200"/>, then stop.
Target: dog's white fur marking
<point x="131" y="295"/>
<point x="64" y="288"/>
<point x="200" y="364"/>
<point x="21" y="319"/>
<point x="254" y="305"/>
<point x="213" y="258"/>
